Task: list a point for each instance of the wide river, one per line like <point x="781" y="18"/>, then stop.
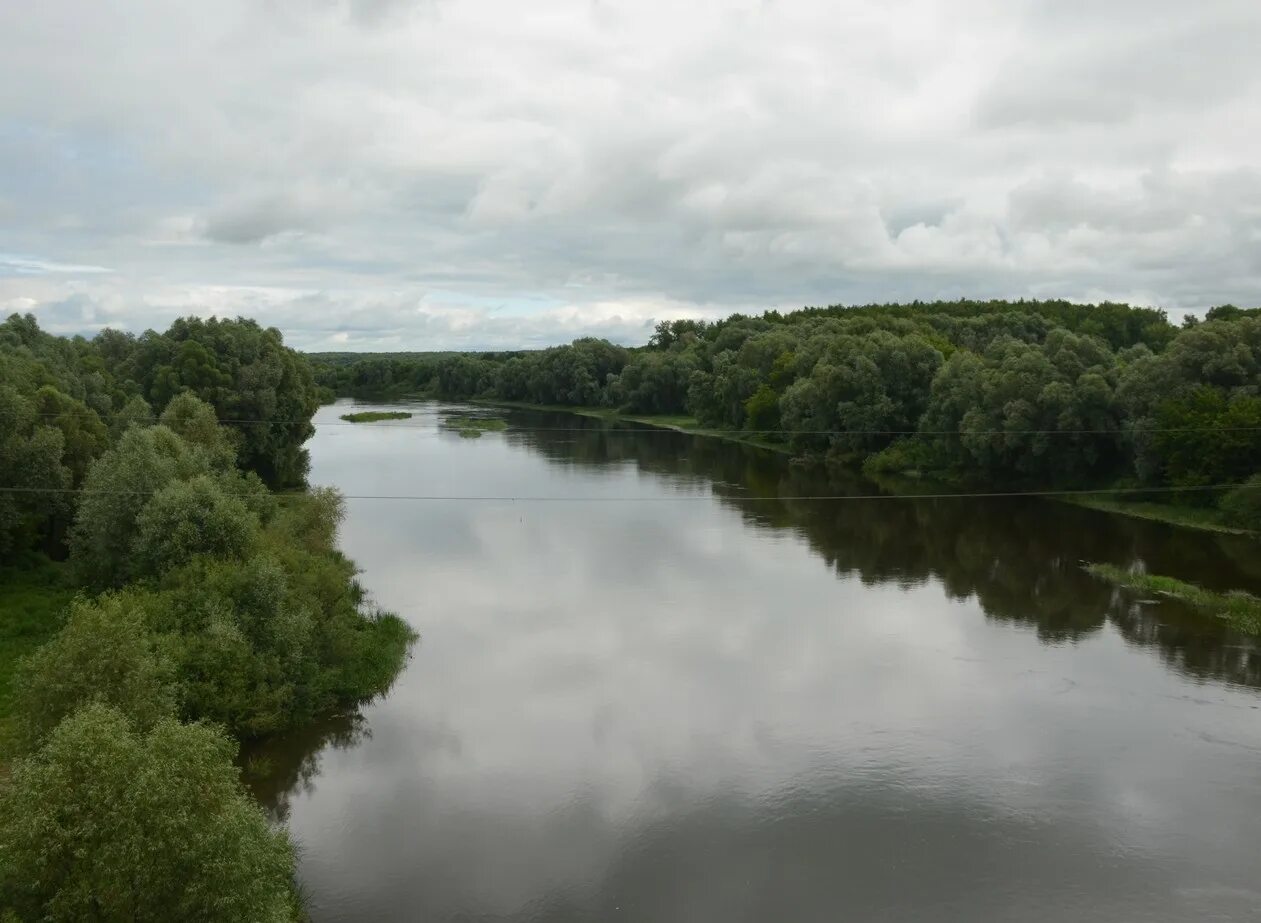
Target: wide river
<point x="654" y="684"/>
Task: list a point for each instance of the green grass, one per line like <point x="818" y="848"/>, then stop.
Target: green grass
<point x="372" y="416"/>
<point x="473" y="427"/>
<point x="33" y="600"/>
<point x="1207" y="519"/>
<point x="1242" y="611"/>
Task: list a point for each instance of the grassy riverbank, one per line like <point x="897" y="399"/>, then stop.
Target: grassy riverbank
<point x="1242" y="611"/>
<point x="1206" y="519"/>
<point x="681" y="423"/>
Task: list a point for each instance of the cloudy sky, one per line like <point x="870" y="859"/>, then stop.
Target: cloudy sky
<point x="427" y="174"/>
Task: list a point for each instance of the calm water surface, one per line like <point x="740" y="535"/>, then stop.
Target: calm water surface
<point x="689" y="704"/>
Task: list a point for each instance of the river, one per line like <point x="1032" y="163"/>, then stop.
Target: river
<point x="674" y="697"/>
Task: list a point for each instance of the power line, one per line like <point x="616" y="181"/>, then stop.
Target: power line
<point x="995" y="494"/>
<point x="665" y="427"/>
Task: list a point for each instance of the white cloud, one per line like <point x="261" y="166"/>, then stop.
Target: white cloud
<point x="12" y="263"/>
<point x="371" y="156"/>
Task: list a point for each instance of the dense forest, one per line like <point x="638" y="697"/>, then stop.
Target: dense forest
<point x="139" y="482"/>
<point x="1037" y="394"/>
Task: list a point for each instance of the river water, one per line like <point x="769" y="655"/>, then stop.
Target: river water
<point x="673" y="697"/>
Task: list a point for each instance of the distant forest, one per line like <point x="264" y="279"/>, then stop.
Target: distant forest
<point x="1044" y="393"/>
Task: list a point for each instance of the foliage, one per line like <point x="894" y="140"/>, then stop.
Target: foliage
<point x="31" y="467"/>
<point x="1242" y="506"/>
<point x="118" y="486"/>
<point x="111" y="822"/>
<point x="279" y="637"/>
<point x="1046" y="392"/>
<point x="234" y="606"/>
<point x="105" y="653"/>
<point x="1205" y="437"/>
<point x="654" y="383"/>
<point x="136" y="412"/>
<point x="472" y="427"/>
<point x="64" y="402"/>
<point x="34" y="595"/>
<point x="194" y="421"/>
<point x="1021" y="410"/>
<point x="863" y="391"/>
<point x="190" y="518"/>
<point x="264" y="391"/>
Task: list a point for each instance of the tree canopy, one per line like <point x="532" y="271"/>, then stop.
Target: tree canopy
<point x="108" y="821"/>
<point x="203" y="597"/>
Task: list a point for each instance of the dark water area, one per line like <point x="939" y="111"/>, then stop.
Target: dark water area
<point x="682" y="695"/>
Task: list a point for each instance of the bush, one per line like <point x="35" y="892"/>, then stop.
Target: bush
<point x="107" y="822"/>
<point x="189" y="518"/>
<point x="105" y="653"/>
<point x="118" y="486"/>
<point x="195" y="422"/>
<point x="1242" y="506"/>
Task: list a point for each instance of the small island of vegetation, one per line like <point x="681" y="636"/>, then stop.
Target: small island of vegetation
<point x="1242" y="611"/>
<point x="373" y="416"/>
<point x="472" y="427"/>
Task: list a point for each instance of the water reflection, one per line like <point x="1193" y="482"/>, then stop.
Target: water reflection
<point x="1019" y="558"/>
<point x="662" y="708"/>
<point x="279" y="771"/>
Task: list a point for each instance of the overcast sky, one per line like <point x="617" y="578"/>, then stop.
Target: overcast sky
<point x="428" y="174"/>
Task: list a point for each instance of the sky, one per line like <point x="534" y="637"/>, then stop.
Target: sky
<point x="469" y="174"/>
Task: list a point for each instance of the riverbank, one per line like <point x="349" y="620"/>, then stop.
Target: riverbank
<point x="680" y="423"/>
<point x="1204" y="519"/>
<point x="1240" y="610"/>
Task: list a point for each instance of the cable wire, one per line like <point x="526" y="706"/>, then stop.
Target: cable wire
<point x="994" y="494"/>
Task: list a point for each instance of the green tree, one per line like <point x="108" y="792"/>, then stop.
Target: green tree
<point x="104" y="653"/>
<point x="262" y="389"/>
<point x="194" y="421"/>
<point x="32" y="468"/>
<point x="136" y="412"/>
<point x="267" y="642"/>
<point x="1023" y="410"/>
<point x="654" y="382"/>
<point x="188" y="518"/>
<point x="108" y="822"/>
<point x="863" y="390"/>
<point x="118" y="486"/>
<point x="83" y="435"/>
<point x="1206" y="438"/>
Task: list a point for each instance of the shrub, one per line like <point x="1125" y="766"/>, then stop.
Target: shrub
<point x="109" y="822"/>
<point x="189" y="518"/>
<point x="1242" y="506"/>
<point x="105" y="653"/>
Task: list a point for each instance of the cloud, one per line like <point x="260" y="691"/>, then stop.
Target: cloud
<point x="376" y="155"/>
<point x="12" y="263"/>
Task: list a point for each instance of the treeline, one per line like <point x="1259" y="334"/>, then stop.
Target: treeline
<point x="1042" y="393"/>
<point x="210" y="609"/>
